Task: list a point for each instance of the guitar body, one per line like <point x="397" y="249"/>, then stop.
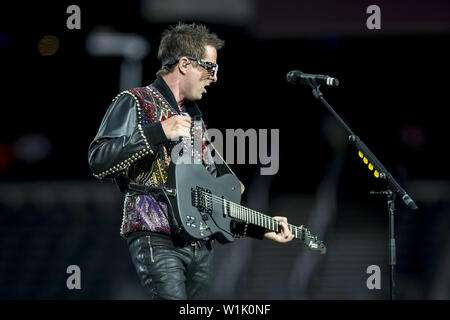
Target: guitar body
<point x="209" y="217"/>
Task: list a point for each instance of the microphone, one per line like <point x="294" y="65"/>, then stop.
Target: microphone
<point x="298" y="77"/>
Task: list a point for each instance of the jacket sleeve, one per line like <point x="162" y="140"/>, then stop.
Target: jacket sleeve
<point x="122" y="139"/>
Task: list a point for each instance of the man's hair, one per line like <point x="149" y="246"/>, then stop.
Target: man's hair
<point x="186" y="40"/>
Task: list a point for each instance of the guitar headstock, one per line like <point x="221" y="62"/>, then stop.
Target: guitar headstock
<point x="311" y="241"/>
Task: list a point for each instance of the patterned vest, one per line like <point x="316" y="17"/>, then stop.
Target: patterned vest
<point x="149" y="212"/>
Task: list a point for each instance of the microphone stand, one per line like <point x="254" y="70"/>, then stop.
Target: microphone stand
<point x="380" y="171"/>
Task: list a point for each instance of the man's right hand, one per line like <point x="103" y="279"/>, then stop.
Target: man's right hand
<point x="176" y="126"/>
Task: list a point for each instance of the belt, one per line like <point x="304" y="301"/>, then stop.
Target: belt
<point x="199" y="243"/>
<point x="177" y="241"/>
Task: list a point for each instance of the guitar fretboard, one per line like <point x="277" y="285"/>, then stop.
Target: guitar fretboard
<point x="241" y="213"/>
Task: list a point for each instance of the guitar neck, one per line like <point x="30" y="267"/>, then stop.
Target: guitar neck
<point x="241" y="213"/>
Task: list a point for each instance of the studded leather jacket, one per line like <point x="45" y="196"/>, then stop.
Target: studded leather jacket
<point x="130" y="145"/>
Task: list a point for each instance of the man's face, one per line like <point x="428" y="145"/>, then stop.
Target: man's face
<point x="197" y="78"/>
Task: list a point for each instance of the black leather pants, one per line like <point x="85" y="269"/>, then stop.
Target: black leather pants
<point x="172" y="271"/>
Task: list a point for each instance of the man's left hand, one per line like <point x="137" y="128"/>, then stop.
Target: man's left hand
<point x="282" y="237"/>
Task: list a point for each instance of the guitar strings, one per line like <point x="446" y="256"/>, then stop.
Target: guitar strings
<point x="243" y="210"/>
<point x="240" y="210"/>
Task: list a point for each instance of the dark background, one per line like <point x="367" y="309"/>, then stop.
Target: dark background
<point x="392" y="93"/>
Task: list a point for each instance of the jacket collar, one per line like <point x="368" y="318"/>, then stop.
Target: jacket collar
<point x="188" y="106"/>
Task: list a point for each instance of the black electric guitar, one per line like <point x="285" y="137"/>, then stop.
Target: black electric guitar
<point x="204" y="206"/>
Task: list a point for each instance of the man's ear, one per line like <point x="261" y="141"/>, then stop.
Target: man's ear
<point x="183" y="64"/>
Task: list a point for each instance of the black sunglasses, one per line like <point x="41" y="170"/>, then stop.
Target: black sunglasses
<point x="211" y="67"/>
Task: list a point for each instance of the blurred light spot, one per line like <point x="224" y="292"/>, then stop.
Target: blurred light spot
<point x="231" y="12"/>
<point x="48" y="45"/>
<point x="32" y="148"/>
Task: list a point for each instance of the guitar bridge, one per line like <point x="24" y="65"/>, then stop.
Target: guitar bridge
<point x="202" y="199"/>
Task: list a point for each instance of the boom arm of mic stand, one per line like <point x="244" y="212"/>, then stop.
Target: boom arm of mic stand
<point x="361" y="146"/>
